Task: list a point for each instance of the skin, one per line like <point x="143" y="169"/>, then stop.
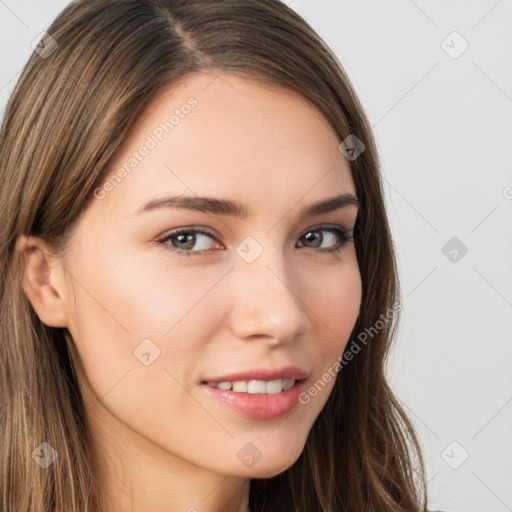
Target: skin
<point x="161" y="443"/>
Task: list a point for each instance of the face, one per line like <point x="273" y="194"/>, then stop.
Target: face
<point x="162" y="298"/>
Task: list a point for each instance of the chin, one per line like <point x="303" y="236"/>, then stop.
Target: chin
<point x="270" y="466"/>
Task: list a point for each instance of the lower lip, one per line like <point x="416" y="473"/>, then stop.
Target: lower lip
<point x="259" y="406"/>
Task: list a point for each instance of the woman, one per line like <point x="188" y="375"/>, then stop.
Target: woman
<point x="198" y="285"/>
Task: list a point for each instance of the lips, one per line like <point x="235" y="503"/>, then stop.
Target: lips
<point x="260" y="406"/>
<point x="286" y="372"/>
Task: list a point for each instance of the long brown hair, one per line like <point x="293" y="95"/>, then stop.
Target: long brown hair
<point x="70" y="111"/>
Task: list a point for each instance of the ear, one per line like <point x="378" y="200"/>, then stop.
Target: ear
<point x="43" y="280"/>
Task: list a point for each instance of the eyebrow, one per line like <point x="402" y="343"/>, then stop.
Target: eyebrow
<point x="236" y="209"/>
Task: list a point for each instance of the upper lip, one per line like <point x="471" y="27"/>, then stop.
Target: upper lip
<point x="286" y="372"/>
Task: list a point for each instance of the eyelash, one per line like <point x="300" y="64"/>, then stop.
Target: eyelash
<point x="342" y="234"/>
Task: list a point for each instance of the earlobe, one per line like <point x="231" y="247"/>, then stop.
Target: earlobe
<point x="42" y="281"/>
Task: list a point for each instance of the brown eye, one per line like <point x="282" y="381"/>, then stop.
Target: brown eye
<point x="184" y="240"/>
<point x="337" y="238"/>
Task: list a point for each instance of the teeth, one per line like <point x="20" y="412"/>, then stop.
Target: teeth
<point x="270" y="387"/>
<point x="240" y="386"/>
<point x="273" y="386"/>
<point x="288" y="383"/>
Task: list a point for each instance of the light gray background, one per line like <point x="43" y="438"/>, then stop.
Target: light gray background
<point x="443" y="127"/>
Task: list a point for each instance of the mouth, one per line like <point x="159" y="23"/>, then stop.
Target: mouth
<point x="285" y="376"/>
<point x="257" y="399"/>
<point x="269" y="387"/>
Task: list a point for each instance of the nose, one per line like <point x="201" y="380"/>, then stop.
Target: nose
<point x="268" y="301"/>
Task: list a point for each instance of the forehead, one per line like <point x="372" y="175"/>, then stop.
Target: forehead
<point x="231" y="136"/>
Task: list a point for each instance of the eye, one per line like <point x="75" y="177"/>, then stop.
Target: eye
<point x="184" y="239"/>
<point x="188" y="241"/>
<point x="338" y="233"/>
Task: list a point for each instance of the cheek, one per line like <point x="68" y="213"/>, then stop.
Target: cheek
<point x="126" y="308"/>
<point x="143" y="299"/>
<point x="336" y="306"/>
<point x="335" y="312"/>
<point x="135" y="327"/>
